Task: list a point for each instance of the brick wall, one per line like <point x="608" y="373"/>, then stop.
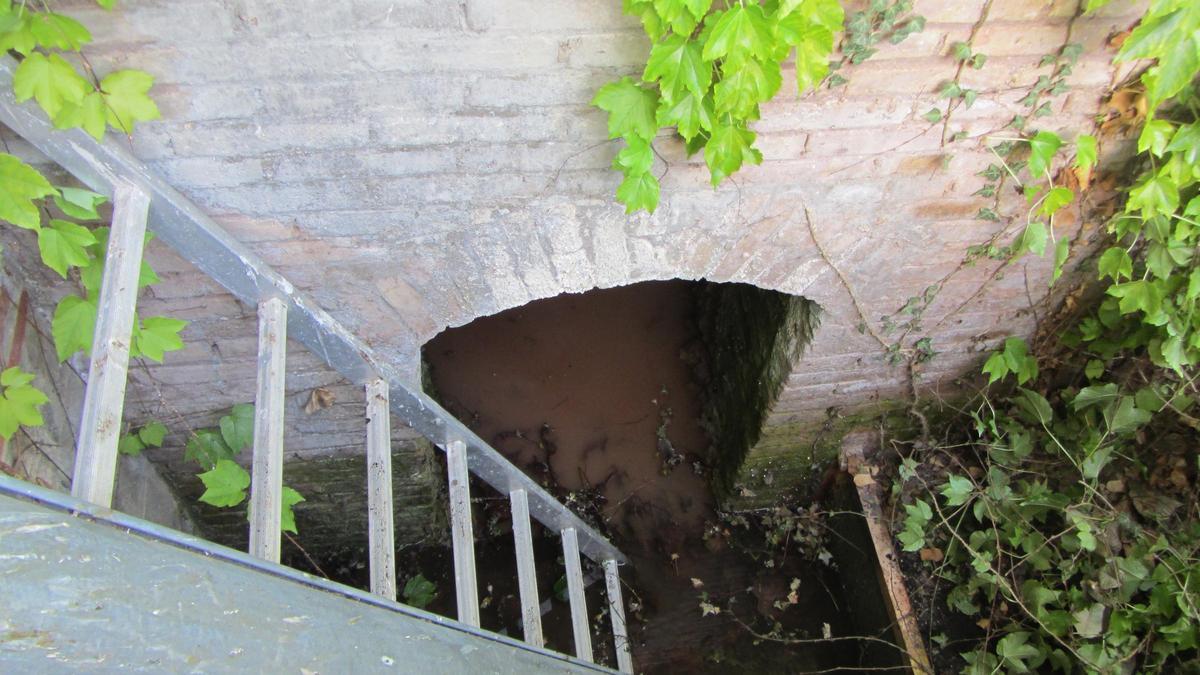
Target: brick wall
<point x="415" y="165"/>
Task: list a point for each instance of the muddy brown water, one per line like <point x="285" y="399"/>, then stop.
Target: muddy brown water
<point x="595" y="391"/>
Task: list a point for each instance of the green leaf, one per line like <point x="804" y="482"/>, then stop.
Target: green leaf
<point x="1055" y="200"/>
<point x="995" y="367"/>
<point x="690" y="115"/>
<point x="1116" y="263"/>
<point x="826" y="13"/>
<point x="107" y="4"/>
<point x="1095" y="395"/>
<point x="20" y="184"/>
<point x="419" y="592"/>
<point x="289" y="498"/>
<point x="64" y="245"/>
<point x="744" y="85"/>
<point x="957" y="490"/>
<point x="1094" y="369"/>
<point x="1016" y="653"/>
<point x="79" y="203"/>
<point x="740" y="33"/>
<point x="206" y="448"/>
<point x="126" y="99"/>
<point x="635" y="158"/>
<point x="1141" y="295"/>
<point x="90" y="114"/>
<point x="1085" y="151"/>
<point x="1034" y="238"/>
<point x="72" y="327"/>
<point x="1037" y="405"/>
<point x="156" y="335"/>
<point x="1089" y="622"/>
<point x="1155" y="137"/>
<point x="1126" y="417"/>
<point x="631" y="109"/>
<point x="639" y="191"/>
<point x="1043" y="147"/>
<point x="237" y="428"/>
<point x="153" y="434"/>
<point x="17" y="34"/>
<point x="814" y="46"/>
<point x="1157" y="194"/>
<point x="1062" y="249"/>
<point x="59" y="31"/>
<point x="933" y="116"/>
<point x="1154" y="35"/>
<point x="20" y="403"/>
<point x="225" y="484"/>
<point x="677" y="14"/>
<point x="130" y="444"/>
<point x="727" y="149"/>
<point x="51" y="81"/>
<point x="1186" y="141"/>
<point x="678" y="66"/>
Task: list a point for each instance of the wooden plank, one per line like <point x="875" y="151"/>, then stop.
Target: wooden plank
<point x="616" y="610"/>
<point x="466" y="586"/>
<point x="266" y="474"/>
<point x="531" y="613"/>
<point x="104" y="400"/>
<point x="380" y="530"/>
<point x="891" y="578"/>
<point x="579" y="615"/>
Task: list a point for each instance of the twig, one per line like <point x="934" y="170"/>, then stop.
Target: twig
<point x="853" y="297"/>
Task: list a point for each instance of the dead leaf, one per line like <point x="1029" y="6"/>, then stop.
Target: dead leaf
<point x="863" y="479"/>
<point x="320" y="399"/>
<point x="696" y="583"/>
<point x="1116" y="40"/>
<point x="932" y="554"/>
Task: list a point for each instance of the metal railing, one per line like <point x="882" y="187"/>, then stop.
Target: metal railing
<point x="143" y="199"/>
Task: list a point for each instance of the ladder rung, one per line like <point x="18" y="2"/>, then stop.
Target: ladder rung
<point x="579" y="615"/>
<point x="381" y="535"/>
<point x="465" y="585"/>
<point x="266" y="471"/>
<point x="531" y="612"/>
<point x="616" y="610"/>
<point x="104" y="399"/>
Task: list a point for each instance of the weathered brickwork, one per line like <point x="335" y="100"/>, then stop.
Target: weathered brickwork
<point x="417" y="164"/>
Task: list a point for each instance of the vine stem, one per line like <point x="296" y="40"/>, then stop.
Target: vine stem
<point x="983" y="15"/>
<point x="812" y="232"/>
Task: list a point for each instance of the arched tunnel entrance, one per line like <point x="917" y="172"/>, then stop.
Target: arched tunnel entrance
<point x="636" y="406"/>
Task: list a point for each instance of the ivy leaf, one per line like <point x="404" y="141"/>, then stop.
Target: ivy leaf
<point x="1085" y="151"/>
<point x="419" y="592"/>
<point x="727" y="149"/>
<point x="1015" y="651"/>
<point x="153" y="434"/>
<point x="20" y="402"/>
<point x="631" y="109"/>
<point x="59" y="31"/>
<point x="20" y="184"/>
<point x="225" y="484"/>
<point x="1062" y="249"/>
<point x="106" y="4"/>
<point x="744" y="85"/>
<point x="1187" y="141"/>
<point x="1043" y="147"/>
<point x="64" y="244"/>
<point x="1157" y="32"/>
<point x="1141" y="295"/>
<point x="237" y="428"/>
<point x="1036" y="405"/>
<point x="131" y="445"/>
<point x="1155" y="137"/>
<point x="1127" y="417"/>
<point x="288" y="499"/>
<point x="957" y="490"/>
<point x="1089" y="622"/>
<point x="51" y="81"/>
<point x="17" y="34"/>
<point x="79" y="203"/>
<point x="157" y="335"/>
<point x="206" y="448"/>
<point x="826" y="13"/>
<point x="678" y="66"/>
<point x="689" y="115"/>
<point x="676" y="14"/>
<point x="73" y="325"/>
<point x="90" y="114"/>
<point x="126" y="99"/>
<point x="639" y="191"/>
<point x="741" y="33"/>
<point x="1116" y="263"/>
<point x="1158" y="194"/>
<point x="1055" y="200"/>
<point x="1095" y="395"/>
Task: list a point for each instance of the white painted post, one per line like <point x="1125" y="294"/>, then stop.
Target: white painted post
<point x="616" y="610"/>
<point x="381" y="535"/>
<point x="465" y="585"/>
<point x="266" y="474"/>
<point x="531" y="611"/>
<point x="104" y="400"/>
<point x="579" y="615"/>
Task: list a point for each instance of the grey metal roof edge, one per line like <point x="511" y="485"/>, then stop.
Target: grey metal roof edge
<point x="66" y="503"/>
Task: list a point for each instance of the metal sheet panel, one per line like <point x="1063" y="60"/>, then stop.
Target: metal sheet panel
<point x="99" y="591"/>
